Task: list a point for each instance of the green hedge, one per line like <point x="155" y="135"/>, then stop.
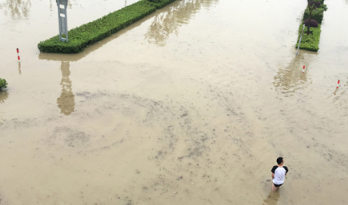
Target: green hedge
<point x="317" y="15"/>
<point x="3" y="84"/>
<point x="309" y="42"/>
<point x="89" y="33"/>
<point x="160" y="3"/>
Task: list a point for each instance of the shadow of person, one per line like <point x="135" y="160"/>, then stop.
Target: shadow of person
<point x="272" y="198"/>
<point x="66" y="101"/>
<point x="3" y="95"/>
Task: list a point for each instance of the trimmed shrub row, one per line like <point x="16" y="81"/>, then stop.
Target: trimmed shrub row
<point x="3" y="84"/>
<point x="87" y="34"/>
<point x="311" y="42"/>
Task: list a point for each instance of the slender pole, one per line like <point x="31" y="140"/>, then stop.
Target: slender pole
<point x="66" y="22"/>
<point x="59" y="21"/>
<point x="299" y="43"/>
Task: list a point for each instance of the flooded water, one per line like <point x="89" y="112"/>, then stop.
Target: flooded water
<point x="191" y="105"/>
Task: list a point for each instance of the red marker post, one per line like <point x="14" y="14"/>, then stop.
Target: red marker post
<point x="338" y="83"/>
<point x="304" y="68"/>
<point x="19" y="58"/>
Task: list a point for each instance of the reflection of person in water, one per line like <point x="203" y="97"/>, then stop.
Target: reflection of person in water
<point x="278" y="174"/>
<point x="66" y="101"/>
<point x="272" y="198"/>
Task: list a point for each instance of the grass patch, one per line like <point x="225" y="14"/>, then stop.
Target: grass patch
<point x="89" y="33"/>
<point x="311" y="42"/>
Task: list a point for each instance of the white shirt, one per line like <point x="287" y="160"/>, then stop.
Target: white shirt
<point x="279" y="174"/>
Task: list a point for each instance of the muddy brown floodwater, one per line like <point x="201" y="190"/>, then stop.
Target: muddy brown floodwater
<point x="191" y="105"/>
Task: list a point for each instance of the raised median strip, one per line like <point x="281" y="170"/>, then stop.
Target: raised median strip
<point x="88" y="34"/>
<point x="313" y="16"/>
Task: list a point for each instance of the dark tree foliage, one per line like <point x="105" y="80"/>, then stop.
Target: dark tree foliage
<point x="315" y="4"/>
<point x="311" y="23"/>
<point x="318" y="4"/>
<point x="312" y="5"/>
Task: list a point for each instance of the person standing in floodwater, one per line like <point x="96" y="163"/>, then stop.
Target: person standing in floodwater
<point x="278" y="174"/>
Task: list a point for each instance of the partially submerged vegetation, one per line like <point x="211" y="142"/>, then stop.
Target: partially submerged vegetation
<point x="312" y="18"/>
<point x="89" y="33"/>
<point x="160" y="3"/>
<point x="3" y="84"/>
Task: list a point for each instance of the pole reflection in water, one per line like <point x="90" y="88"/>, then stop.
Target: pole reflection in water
<point x="66" y="101"/>
<point x="177" y="14"/>
<point x="19" y="68"/>
<point x="291" y="78"/>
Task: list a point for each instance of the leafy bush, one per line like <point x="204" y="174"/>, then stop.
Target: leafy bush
<point x="160" y="3"/>
<point x="3" y="84"/>
<point x="312" y="23"/>
<point x="89" y="33"/>
<point x="317" y="15"/>
<point x="310" y="42"/>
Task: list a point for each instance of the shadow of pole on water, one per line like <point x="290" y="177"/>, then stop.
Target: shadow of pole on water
<point x="66" y="101"/>
<point x="292" y="77"/>
<point x="171" y="18"/>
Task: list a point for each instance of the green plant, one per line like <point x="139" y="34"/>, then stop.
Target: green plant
<point x="310" y="42"/>
<point x="3" y="84"/>
<point x="160" y="3"/>
<point x="312" y="6"/>
<point x="317" y="15"/>
<point x="314" y="11"/>
<point x="89" y="33"/>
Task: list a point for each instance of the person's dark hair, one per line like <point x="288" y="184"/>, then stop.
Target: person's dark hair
<point x="279" y="160"/>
